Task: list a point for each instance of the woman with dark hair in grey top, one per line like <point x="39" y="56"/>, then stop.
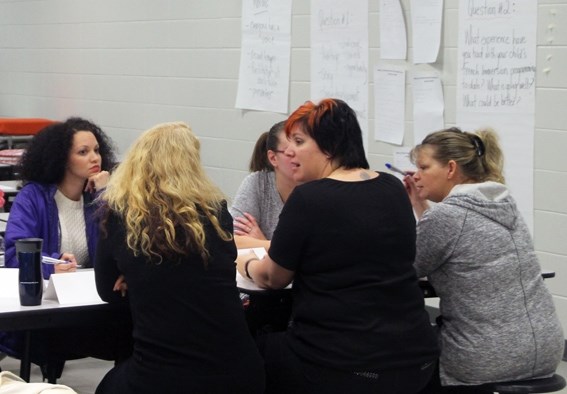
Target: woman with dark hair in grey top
<point x="498" y="318"/>
<point x="261" y="196"/>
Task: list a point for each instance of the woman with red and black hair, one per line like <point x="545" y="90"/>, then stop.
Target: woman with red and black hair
<point x="346" y="237"/>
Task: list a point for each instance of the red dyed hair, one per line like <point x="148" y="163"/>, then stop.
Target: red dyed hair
<point x="334" y="127"/>
<point x="308" y="115"/>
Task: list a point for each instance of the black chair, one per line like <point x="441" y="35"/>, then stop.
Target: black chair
<point x="51" y="371"/>
<point x="266" y="310"/>
<point x="545" y="385"/>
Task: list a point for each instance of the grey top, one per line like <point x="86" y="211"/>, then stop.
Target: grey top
<point x="259" y="196"/>
<point x="499" y="321"/>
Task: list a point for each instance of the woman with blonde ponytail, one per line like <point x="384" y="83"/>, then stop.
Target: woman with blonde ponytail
<point x="166" y="245"/>
<point x="498" y="320"/>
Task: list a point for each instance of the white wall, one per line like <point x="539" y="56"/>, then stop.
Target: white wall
<point x="130" y="64"/>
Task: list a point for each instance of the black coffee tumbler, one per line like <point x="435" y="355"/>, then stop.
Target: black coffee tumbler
<point x="28" y="252"/>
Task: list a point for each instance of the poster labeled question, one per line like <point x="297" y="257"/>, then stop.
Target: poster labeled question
<point x="496" y="83"/>
<point x="339" y="54"/>
<point x="263" y="81"/>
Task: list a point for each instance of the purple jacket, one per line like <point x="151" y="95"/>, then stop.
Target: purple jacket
<point x="34" y="215"/>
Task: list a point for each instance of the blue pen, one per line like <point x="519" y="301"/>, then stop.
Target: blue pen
<point x="396" y="169"/>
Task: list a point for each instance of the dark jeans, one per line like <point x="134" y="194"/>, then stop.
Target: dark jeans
<point x="286" y="373"/>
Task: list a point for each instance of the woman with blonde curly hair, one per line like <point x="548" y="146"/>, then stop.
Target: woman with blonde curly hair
<point x="167" y="235"/>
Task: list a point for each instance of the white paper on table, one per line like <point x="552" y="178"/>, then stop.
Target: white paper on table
<point x="263" y="81"/>
<point x="428" y="105"/>
<point x="260" y="252"/>
<point x="389" y="104"/>
<point x="245" y="283"/>
<point x="427" y="19"/>
<point x="73" y="288"/>
<point x="9" y="280"/>
<point x="393" y="38"/>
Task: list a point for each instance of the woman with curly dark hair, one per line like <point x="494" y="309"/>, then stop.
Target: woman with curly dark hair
<point x="64" y="165"/>
<point x="62" y="169"/>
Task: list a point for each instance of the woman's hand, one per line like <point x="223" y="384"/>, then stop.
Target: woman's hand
<point x="419" y="204"/>
<point x="70" y="266"/>
<point x="97" y="181"/>
<point x="411" y="188"/>
<point x="121" y="285"/>
<point x="247" y="225"/>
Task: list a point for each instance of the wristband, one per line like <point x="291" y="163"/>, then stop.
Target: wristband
<point x="246" y="267"/>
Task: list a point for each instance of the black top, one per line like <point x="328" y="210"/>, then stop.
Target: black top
<point x="357" y="303"/>
<point x="189" y="323"/>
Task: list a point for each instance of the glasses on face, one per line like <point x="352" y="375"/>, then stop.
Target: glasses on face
<point x="278" y="151"/>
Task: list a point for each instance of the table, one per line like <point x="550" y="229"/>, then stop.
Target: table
<point x="3" y="223"/>
<point x="268" y="310"/>
<point x="50" y="314"/>
<point x="10" y="188"/>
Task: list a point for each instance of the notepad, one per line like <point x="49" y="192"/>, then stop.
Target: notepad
<point x="9" y="283"/>
<point x="73" y="288"/>
<point x="260" y="252"/>
<point x="245" y="283"/>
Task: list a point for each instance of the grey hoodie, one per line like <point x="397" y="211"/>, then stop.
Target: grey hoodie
<point x="499" y="321"/>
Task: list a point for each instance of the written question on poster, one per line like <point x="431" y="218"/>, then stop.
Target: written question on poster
<point x="263" y="82"/>
<point x="339" y="54"/>
<point x="496" y="69"/>
<point x="496" y="83"/>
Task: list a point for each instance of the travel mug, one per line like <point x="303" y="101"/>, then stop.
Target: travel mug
<point x="28" y="252"/>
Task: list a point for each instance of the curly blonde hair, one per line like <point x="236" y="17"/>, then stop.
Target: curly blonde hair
<point x="164" y="196"/>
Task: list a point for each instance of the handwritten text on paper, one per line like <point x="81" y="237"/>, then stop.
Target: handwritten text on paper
<point x="496" y="71"/>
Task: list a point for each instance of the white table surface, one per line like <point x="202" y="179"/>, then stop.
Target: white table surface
<point x="10" y="299"/>
<point x="9" y="186"/>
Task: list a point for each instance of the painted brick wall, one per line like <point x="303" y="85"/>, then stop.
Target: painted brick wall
<point x="130" y="64"/>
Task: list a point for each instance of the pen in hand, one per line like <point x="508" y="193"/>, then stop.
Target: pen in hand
<point x="50" y="260"/>
<point x="396" y="169"/>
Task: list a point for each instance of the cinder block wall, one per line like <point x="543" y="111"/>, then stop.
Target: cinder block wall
<point x="130" y="64"/>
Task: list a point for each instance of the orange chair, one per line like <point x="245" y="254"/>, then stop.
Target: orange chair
<point x="21" y="129"/>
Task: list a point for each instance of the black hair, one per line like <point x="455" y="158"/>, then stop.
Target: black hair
<point x="268" y="140"/>
<point x="45" y="158"/>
